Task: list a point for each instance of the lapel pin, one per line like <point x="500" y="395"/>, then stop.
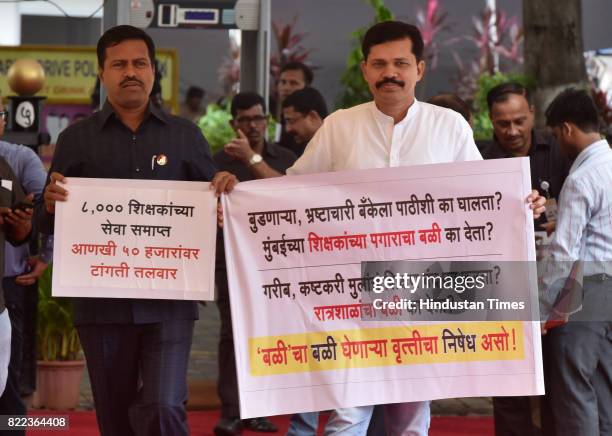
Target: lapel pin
<point x="159" y="159"/>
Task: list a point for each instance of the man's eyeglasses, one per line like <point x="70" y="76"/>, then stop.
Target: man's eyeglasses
<point x="257" y="119"/>
<point x="4" y="115"/>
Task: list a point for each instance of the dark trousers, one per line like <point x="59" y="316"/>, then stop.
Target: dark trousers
<point x="377" y="422"/>
<point x="10" y="401"/>
<point x="138" y="376"/>
<point x="27" y="381"/>
<point x="513" y="416"/>
<point x="227" y="384"/>
<point x="580" y="384"/>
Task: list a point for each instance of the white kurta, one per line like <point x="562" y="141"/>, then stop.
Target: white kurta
<point x="363" y="137"/>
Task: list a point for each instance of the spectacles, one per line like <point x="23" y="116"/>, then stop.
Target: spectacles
<point x="257" y="119"/>
<point x="4" y="115"/>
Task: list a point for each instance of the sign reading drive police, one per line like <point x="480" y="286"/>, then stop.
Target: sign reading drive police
<point x="135" y="239"/>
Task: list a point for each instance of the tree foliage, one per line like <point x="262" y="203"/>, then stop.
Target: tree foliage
<point x="355" y="89"/>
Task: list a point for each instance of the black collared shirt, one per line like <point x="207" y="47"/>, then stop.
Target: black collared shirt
<point x="275" y="156"/>
<point x="546" y="161"/>
<point x="101" y="146"/>
<point x="288" y="141"/>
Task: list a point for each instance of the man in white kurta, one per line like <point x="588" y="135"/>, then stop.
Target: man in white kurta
<point x="364" y="137"/>
<point x="393" y="130"/>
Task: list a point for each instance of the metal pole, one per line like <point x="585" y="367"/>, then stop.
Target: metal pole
<point x="263" y="60"/>
<point x="255" y="50"/>
<point x="493" y="34"/>
<point x="248" y="61"/>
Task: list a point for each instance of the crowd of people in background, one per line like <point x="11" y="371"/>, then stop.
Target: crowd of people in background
<point x="571" y="170"/>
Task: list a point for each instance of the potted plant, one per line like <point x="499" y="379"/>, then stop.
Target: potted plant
<point x="60" y="365"/>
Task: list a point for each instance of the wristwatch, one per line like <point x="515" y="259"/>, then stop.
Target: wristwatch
<point x="255" y="159"/>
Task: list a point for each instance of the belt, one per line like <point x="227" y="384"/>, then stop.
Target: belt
<point x="598" y="278"/>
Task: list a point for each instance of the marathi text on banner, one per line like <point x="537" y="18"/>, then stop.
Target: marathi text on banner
<point x="135" y="239"/>
<point x="300" y="305"/>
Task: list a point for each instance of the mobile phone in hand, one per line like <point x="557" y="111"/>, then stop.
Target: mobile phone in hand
<point x="22" y="205"/>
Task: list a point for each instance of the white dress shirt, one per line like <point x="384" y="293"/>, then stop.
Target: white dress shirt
<point x="582" y="242"/>
<point x="584" y="221"/>
<point x="363" y="137"/>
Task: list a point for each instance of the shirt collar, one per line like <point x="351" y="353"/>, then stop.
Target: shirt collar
<point x="595" y="148"/>
<point x="386" y="119"/>
<point x="269" y="149"/>
<point x="158" y="113"/>
<point x="538" y="140"/>
<point x="107" y="111"/>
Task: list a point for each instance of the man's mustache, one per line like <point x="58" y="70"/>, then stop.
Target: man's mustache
<point x="390" y="80"/>
<point x="131" y="81"/>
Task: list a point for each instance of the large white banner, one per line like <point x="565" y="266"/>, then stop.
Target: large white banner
<point x="135" y="239"/>
<point x="304" y="334"/>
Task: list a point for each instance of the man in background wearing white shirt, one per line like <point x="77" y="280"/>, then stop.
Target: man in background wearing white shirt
<point x="393" y="130"/>
<point x="580" y="367"/>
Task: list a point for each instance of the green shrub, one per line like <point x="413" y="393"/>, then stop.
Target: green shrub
<point x="57" y="337"/>
<point x="355" y="88"/>
<point x="215" y="126"/>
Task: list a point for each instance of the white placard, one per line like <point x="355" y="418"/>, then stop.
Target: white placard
<point x="135" y="239"/>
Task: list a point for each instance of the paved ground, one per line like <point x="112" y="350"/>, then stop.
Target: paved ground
<point x="203" y="367"/>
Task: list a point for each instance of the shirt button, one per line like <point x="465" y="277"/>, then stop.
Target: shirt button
<point x="137" y="169"/>
<point x="133" y="137"/>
